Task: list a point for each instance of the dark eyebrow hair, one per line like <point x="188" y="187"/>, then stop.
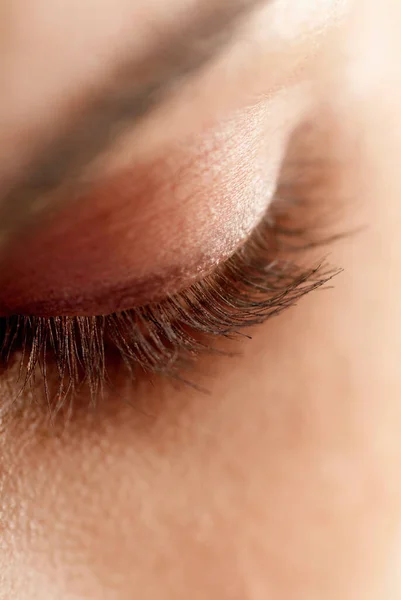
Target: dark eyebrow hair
<point x="122" y="104"/>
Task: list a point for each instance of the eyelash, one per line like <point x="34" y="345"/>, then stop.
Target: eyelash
<point x="259" y="281"/>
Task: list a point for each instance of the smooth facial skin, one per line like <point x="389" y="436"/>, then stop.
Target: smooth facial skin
<point x="283" y="482"/>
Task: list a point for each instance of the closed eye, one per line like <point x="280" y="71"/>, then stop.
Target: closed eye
<point x="260" y="280"/>
<point x="150" y="266"/>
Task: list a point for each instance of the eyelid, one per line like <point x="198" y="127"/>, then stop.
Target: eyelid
<point x="276" y="266"/>
<point x="150" y="230"/>
<point x="251" y="286"/>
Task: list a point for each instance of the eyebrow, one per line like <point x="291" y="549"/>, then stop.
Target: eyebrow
<point x="119" y="106"/>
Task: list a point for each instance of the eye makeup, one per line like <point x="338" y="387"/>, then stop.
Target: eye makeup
<point x="258" y="281"/>
<point x="144" y="230"/>
<point x="251" y="269"/>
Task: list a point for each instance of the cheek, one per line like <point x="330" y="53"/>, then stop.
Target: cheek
<point x="150" y="230"/>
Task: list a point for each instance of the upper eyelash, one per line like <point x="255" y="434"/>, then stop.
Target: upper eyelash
<point x="257" y="282"/>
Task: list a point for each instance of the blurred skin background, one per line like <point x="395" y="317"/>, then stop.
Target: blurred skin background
<point x="284" y="481"/>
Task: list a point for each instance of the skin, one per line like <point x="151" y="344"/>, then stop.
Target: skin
<point x="283" y="482"/>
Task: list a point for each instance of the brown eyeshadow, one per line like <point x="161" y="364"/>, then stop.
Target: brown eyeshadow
<point x="146" y="231"/>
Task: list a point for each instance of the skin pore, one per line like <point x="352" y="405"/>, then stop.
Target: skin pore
<point x="283" y="481"/>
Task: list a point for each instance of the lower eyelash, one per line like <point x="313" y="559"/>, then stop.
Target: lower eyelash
<point x="259" y="281"/>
